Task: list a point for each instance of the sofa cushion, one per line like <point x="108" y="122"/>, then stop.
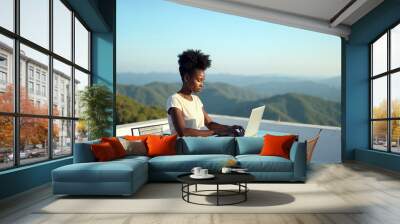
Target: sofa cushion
<point x="185" y="163"/>
<point x="257" y="163"/>
<point x="83" y="152"/>
<point x="111" y="171"/>
<point x="134" y="147"/>
<point x="206" y="145"/>
<point x="249" y="145"/>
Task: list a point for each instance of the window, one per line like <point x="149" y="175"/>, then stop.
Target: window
<point x="38" y="74"/>
<point x="6" y="73"/>
<point x="43" y="90"/>
<point x="3" y="78"/>
<point x="7" y="14"/>
<point x="30" y="87"/>
<point x="3" y="61"/>
<point x="81" y="45"/>
<point x="385" y="94"/>
<point x="38" y="89"/>
<point x="35" y="21"/>
<point x="55" y="127"/>
<point x="3" y="72"/>
<point x="62" y="29"/>
<point x="30" y="72"/>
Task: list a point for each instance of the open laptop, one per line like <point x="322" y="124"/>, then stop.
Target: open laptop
<point x="254" y="122"/>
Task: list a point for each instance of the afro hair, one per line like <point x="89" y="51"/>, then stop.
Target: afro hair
<point x="192" y="60"/>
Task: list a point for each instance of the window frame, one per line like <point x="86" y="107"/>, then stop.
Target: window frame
<point x="388" y="74"/>
<point x="16" y="114"/>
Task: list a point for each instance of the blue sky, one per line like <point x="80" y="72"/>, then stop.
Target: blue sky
<point x="151" y="33"/>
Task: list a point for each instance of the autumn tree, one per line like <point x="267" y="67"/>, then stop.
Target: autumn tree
<point x="33" y="131"/>
<point x="380" y="127"/>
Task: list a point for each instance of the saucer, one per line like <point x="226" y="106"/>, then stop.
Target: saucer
<point x="208" y="176"/>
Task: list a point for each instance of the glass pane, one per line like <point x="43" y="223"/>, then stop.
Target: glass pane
<point x="62" y="138"/>
<point x="7" y="14"/>
<point x="6" y="142"/>
<point x="379" y="135"/>
<point x="81" y="81"/>
<point x="62" y="89"/>
<point x="33" y="139"/>
<point x="35" y="21"/>
<point x="379" y="97"/>
<point x="34" y="82"/>
<point x="395" y="94"/>
<point x="81" y="45"/>
<point x="62" y="29"/>
<point x="395" y="47"/>
<point x="379" y="55"/>
<point x="6" y="74"/>
<point x="395" y="136"/>
<point x="81" y="131"/>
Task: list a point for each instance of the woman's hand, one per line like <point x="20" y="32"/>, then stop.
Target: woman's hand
<point x="234" y="130"/>
<point x="237" y="130"/>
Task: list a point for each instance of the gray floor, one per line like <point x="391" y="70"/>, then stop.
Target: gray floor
<point x="378" y="188"/>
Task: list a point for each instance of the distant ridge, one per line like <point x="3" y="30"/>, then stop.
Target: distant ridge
<point x="265" y="85"/>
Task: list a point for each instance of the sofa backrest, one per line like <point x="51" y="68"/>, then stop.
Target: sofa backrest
<point x="206" y="145"/>
<point x="83" y="152"/>
<point x="252" y="145"/>
<point x="249" y="145"/>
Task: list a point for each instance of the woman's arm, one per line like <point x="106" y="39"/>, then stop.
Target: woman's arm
<point x="217" y="128"/>
<point x="179" y="124"/>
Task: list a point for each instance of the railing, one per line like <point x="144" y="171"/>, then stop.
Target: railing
<point x="328" y="148"/>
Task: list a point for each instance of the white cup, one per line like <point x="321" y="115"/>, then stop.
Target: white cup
<point x="226" y="170"/>
<point x="196" y="170"/>
<point x="203" y="172"/>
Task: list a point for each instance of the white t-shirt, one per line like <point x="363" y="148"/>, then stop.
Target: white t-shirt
<point x="192" y="111"/>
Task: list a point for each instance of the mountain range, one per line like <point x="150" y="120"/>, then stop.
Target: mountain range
<point x="226" y="99"/>
<point x="264" y="85"/>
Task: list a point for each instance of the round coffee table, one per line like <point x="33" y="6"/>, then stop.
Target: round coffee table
<point x="238" y="179"/>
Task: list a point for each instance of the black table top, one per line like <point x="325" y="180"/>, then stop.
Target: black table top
<point x="220" y="178"/>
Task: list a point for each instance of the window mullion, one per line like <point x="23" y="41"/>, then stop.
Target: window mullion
<point x="389" y="104"/>
<point x="50" y="81"/>
<point x="73" y="82"/>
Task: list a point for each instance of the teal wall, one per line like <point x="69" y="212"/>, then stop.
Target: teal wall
<point x="102" y="63"/>
<point x="356" y="73"/>
<point x="99" y="16"/>
<point x="24" y="178"/>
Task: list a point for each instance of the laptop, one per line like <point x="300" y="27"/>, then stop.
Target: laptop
<point x="254" y="122"/>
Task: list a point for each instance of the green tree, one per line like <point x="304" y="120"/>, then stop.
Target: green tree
<point x="96" y="102"/>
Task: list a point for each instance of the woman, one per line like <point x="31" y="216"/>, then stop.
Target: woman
<point x="186" y="114"/>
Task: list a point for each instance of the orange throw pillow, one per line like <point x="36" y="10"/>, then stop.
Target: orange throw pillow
<point x="103" y="152"/>
<point x="277" y="145"/>
<point x="161" y="145"/>
<point x="116" y="145"/>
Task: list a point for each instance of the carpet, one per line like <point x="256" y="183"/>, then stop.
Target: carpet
<point x="166" y="198"/>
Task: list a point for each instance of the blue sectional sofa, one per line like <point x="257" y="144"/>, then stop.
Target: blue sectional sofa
<point x="125" y="176"/>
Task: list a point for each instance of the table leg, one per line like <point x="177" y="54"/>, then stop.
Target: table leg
<point x="217" y="194"/>
<point x="245" y="193"/>
<point x="195" y="188"/>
